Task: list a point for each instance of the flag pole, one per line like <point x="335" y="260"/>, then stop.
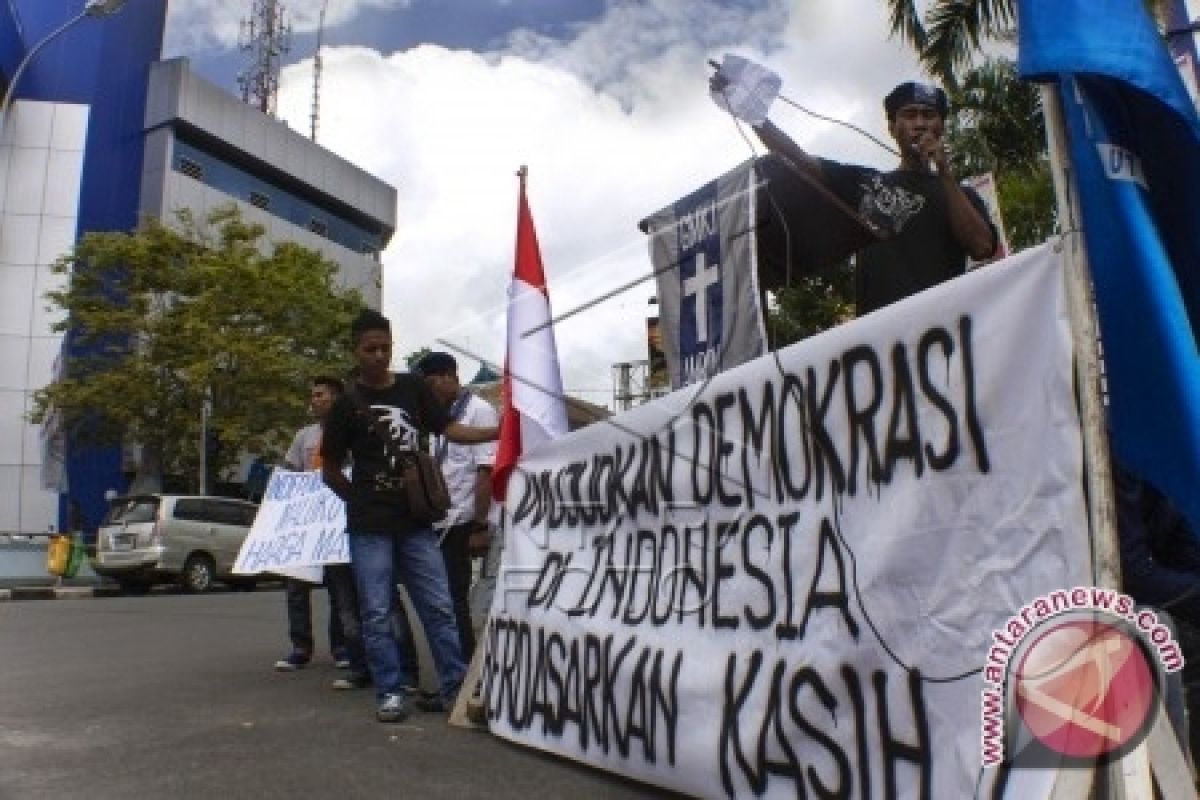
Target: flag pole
<point x="1131" y="772"/>
<point x="1106" y="563"/>
<point x="470" y="710"/>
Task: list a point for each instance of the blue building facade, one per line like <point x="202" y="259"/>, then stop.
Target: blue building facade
<point x="101" y="64"/>
<point x="102" y="133"/>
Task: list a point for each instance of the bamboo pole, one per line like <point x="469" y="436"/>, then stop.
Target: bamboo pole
<point x="1106" y="563"/>
<point x="1130" y="777"/>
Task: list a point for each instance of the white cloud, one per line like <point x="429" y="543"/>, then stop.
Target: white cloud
<point x="613" y="125"/>
<point x="194" y="25"/>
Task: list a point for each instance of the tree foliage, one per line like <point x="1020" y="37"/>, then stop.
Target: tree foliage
<point x="954" y="30"/>
<point x="951" y="32"/>
<point x="160" y="318"/>
<point x="997" y="126"/>
<point x="812" y="304"/>
<point x="412" y="358"/>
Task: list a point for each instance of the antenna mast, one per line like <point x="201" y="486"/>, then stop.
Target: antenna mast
<point x="266" y="37"/>
<point x="316" y="101"/>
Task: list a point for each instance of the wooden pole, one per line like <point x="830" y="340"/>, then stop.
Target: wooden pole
<point x="1106" y="562"/>
<point x="1130" y="777"/>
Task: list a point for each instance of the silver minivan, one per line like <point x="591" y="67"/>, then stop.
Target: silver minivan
<point x="163" y="538"/>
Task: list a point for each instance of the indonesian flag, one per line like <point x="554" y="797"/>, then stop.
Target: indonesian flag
<point x="532" y="393"/>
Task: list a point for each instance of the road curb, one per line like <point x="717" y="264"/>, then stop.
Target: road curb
<point x="17" y="593"/>
<point x="73" y="592"/>
<point x="32" y="593"/>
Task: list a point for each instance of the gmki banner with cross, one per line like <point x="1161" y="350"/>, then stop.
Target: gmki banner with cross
<point x="785" y="583"/>
<point x="705" y="256"/>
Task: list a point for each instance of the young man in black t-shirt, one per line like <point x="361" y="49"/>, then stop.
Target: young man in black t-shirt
<point x="926" y="222"/>
<point x="385" y="543"/>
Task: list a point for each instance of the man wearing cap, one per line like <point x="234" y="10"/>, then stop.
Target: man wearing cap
<point x="468" y="473"/>
<point x="927" y="223"/>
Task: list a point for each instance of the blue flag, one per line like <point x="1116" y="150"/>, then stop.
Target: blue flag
<point x="1134" y="141"/>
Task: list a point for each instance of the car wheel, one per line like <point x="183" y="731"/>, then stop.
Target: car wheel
<point x="198" y="574"/>
<point x="135" y="588"/>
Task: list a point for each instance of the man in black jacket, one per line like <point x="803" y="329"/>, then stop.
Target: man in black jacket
<point x="382" y="415"/>
<point x="923" y="223"/>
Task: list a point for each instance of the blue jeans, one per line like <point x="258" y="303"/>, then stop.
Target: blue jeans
<point x="340" y="580"/>
<point x="380" y="560"/>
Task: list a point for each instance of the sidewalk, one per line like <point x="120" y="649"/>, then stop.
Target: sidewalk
<point x="23" y="574"/>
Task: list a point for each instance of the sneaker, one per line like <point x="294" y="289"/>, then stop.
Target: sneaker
<point x="393" y="708"/>
<point x="437" y="704"/>
<point x="341" y="658"/>
<point x="297" y="659"/>
<point x="355" y="680"/>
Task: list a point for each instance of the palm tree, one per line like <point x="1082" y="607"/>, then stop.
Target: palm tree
<point x="953" y="31"/>
<point x="997" y="126"/>
<point x="997" y="120"/>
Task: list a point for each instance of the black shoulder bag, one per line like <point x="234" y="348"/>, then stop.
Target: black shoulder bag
<point x="421" y="478"/>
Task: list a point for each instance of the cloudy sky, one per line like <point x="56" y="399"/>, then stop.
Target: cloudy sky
<point x="606" y="101"/>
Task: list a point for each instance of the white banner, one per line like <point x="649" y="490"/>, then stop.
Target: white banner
<point x="784" y="582"/>
<point x="300" y="526"/>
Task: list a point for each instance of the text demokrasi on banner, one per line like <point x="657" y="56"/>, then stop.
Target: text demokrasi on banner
<point x="768" y="585"/>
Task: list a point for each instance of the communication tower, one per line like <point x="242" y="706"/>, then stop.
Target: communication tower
<point x="315" y="117"/>
<point x="267" y="38"/>
<point x="631" y="385"/>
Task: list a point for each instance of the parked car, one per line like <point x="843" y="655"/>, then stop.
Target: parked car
<point x="164" y="538"/>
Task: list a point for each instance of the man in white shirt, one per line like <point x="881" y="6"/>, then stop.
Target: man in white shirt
<point x="303" y="455"/>
<point x="468" y="473"/>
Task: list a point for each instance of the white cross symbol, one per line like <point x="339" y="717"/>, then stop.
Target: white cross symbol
<point x="698" y="285"/>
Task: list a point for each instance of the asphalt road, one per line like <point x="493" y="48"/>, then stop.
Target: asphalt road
<point x="173" y="696"/>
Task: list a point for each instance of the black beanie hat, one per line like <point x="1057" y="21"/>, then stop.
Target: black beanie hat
<point x="436" y="363"/>
<point x="913" y="93"/>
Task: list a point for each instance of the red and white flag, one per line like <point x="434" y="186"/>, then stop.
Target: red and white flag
<point x="534" y="409"/>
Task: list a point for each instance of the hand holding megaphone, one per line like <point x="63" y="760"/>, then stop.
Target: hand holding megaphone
<point x="930" y="150"/>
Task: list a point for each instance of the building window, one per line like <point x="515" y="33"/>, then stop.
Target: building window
<point x="193" y="169"/>
<point x="260" y="200"/>
<point x="318" y="227"/>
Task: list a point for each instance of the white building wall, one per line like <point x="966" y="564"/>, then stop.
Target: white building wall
<point x="355" y="270"/>
<point x="41" y="163"/>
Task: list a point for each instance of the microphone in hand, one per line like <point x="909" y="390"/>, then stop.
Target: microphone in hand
<point x="927" y="148"/>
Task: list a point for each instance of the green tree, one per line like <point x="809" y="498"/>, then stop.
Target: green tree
<point x="997" y="126"/>
<point x="163" y="317"/>
<point x="412" y="358"/>
<point x="812" y="304"/>
<point x="951" y="31"/>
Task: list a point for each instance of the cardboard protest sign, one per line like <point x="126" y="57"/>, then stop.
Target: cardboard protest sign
<point x="784" y="582"/>
<point x="300" y="526"/>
